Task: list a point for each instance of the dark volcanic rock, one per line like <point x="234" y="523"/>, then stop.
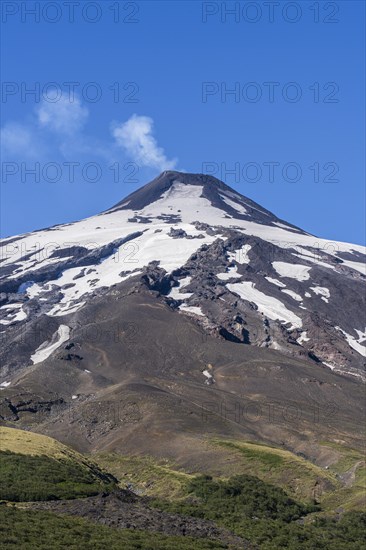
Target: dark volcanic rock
<point x="124" y="510"/>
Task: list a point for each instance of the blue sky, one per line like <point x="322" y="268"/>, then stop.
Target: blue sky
<point x="150" y="90"/>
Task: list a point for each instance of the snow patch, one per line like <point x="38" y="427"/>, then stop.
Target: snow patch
<point x="355" y="344"/>
<point x="44" y="350"/>
<point x="192" y="309"/>
<point x="292" y="271"/>
<point x="275" y="282"/>
<point x="208" y="375"/>
<point x="314" y="260"/>
<point x="240" y="256"/>
<point x="357" y="266"/>
<point x="13" y="316"/>
<point x="176" y="293"/>
<point x="302" y="338"/>
<point x="238" y="207"/>
<point x="321" y="291"/>
<point x="285" y="226"/>
<point x="361" y="335"/>
<point x="269" y="306"/>
<point x="293" y="295"/>
<point x="329" y="365"/>
<point x="232" y="273"/>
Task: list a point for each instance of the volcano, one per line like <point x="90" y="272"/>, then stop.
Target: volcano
<point x="171" y="314"/>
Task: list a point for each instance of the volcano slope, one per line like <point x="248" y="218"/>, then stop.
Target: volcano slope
<point x="184" y="314"/>
<point x="133" y="381"/>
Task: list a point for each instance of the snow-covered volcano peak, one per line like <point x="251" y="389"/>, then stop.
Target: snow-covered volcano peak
<point x="246" y="274"/>
<point x="191" y="197"/>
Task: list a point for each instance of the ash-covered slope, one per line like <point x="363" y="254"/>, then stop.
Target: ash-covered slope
<point x="210" y="253"/>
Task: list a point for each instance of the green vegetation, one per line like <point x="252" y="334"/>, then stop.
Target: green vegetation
<point x="147" y="475"/>
<point x="302" y="480"/>
<point x="240" y="497"/>
<point x="266" y="495"/>
<point x="30" y="478"/>
<point x="43" y="530"/>
<point x="351" y="469"/>
<point x="297" y="476"/>
<point x="30" y="443"/>
<point x="350" y="497"/>
<point x="265" y="515"/>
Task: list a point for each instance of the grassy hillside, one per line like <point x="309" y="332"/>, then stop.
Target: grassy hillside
<point x="264" y="494"/>
<point x="36" y="467"/>
<point x="146" y="475"/>
<point x="278" y="500"/>
<point x="350" y="470"/>
<point x="30" y="443"/>
<point x="298" y="477"/>
<point x="340" y="487"/>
